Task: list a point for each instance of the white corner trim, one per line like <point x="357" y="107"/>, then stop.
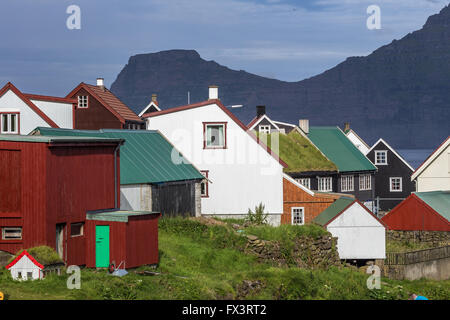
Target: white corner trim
<point x="290" y="179"/>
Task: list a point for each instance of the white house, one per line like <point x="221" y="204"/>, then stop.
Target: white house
<point x="240" y="172"/>
<point x="434" y="173"/>
<point x="25" y="267"/>
<point x="356" y="139"/>
<point x="20" y="113"/>
<point x="361" y="235"/>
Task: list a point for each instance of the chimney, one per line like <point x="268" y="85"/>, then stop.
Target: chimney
<point x="154" y="97"/>
<point x="304" y="125"/>
<point x="346" y="126"/>
<point x="100" y="82"/>
<point x="213" y="92"/>
<point x="260" y="111"/>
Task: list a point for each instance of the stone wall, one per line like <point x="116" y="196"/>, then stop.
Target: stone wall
<point x="4" y="258"/>
<point x="437" y="238"/>
<point x="305" y="253"/>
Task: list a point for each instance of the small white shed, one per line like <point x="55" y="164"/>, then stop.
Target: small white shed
<point x="25" y="267"/>
<point x="361" y="235"/>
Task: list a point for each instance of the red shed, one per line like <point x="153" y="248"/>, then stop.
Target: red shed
<point x="49" y="184"/>
<point x="421" y="211"/>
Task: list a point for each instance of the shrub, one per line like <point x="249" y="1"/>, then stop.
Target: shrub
<point x="258" y="217"/>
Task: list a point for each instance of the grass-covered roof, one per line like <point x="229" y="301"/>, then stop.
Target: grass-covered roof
<point x="298" y="152"/>
<point x="42" y="254"/>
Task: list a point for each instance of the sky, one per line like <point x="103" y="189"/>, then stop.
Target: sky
<point x="283" y="39"/>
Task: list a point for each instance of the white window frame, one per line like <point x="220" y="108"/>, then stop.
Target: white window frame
<point x="264" y="128"/>
<point x="9" y="122"/>
<point x="385" y="157"/>
<point x="82" y="102"/>
<point x="302" y="211"/>
<point x="390" y="184"/>
<point x="205" y="181"/>
<point x="323" y="185"/>
<point x="365" y="182"/>
<point x="17" y="229"/>
<point x="306" y="182"/>
<point x="347" y="183"/>
<point x="224" y="138"/>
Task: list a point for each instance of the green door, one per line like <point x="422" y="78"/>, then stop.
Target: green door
<point x="101" y="246"/>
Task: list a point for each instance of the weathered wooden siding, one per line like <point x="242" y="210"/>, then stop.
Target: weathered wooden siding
<point x="174" y="198"/>
<point x="96" y="116"/>
<point x="294" y="196"/>
<point x="142" y="241"/>
<point x="414" y="214"/>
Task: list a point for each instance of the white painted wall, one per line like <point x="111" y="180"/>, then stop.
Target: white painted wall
<point x="241" y="176"/>
<point x="436" y="176"/>
<point x="360" y="235"/>
<point x="25" y="265"/>
<point x="29" y="119"/>
<point x="136" y="197"/>
<point x="357" y="142"/>
<point x="60" y="113"/>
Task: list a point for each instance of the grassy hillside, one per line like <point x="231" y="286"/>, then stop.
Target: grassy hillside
<point x="206" y="262"/>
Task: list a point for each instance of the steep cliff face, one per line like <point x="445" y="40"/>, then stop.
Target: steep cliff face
<point x="400" y="92"/>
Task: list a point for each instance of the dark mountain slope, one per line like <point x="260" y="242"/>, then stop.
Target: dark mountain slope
<point x="400" y="92"/>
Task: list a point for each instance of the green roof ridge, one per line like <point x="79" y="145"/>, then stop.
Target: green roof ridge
<point x="333" y="210"/>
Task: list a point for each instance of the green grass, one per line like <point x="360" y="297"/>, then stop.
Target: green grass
<point x="205" y="262"/>
<point x="404" y="246"/>
<point x="299" y="153"/>
<point x="43" y="254"/>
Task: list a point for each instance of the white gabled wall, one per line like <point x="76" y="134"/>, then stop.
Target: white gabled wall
<point x="136" y="197"/>
<point x="61" y="113"/>
<point x="29" y="119"/>
<point x="241" y="176"/>
<point x="360" y="235"/>
<point x="25" y="265"/>
<point x="436" y="176"/>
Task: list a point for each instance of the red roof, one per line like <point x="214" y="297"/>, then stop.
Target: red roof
<point x="224" y="109"/>
<point x="35" y="108"/>
<point x="255" y="120"/>
<point x="109" y="101"/>
<point x="24" y="253"/>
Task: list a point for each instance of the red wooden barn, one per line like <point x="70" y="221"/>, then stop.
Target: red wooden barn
<point x="421" y="211"/>
<point x="56" y="190"/>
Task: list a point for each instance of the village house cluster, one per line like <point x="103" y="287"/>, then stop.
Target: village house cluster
<point x="87" y="176"/>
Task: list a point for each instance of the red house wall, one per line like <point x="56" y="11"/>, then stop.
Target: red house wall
<point x="24" y="183"/>
<point x="96" y="116"/>
<point x="414" y="215"/>
<point x="142" y="240"/>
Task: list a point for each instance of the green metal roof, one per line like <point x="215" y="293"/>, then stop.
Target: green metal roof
<point x="55" y="139"/>
<point x="339" y="149"/>
<point x="146" y="156"/>
<point x="116" y="215"/>
<point x="438" y="200"/>
<point x="333" y="210"/>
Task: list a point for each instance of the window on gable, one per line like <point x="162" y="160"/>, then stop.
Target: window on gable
<point x="11" y="233"/>
<point x="82" y="101"/>
<point x="381" y="157"/>
<point x="365" y="182"/>
<point x="297" y="215"/>
<point x="10" y="123"/>
<point x="395" y="184"/>
<point x="306" y="182"/>
<point x="264" y="129"/>
<point x="347" y="183"/>
<point x="215" y="135"/>
<point x="204" y="184"/>
<point x="325" y="184"/>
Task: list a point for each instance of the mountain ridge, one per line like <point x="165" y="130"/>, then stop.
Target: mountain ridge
<point x="400" y="88"/>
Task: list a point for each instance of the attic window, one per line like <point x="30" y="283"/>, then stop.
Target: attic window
<point x="306" y="182"/>
<point x="215" y="135"/>
<point x="381" y="157"/>
<point x="11" y="233"/>
<point x="82" y="102"/>
<point x="264" y="129"/>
